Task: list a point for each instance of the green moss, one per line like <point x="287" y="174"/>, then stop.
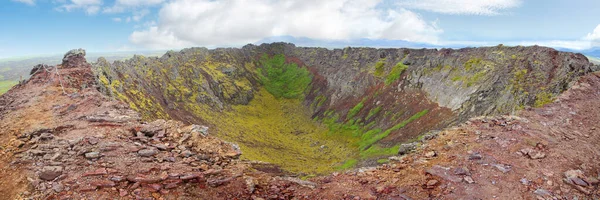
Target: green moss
<point x="457" y="78"/>
<point x="352" y="112"/>
<point x="348" y="164"/>
<point x="379" y="68"/>
<point x="370" y="138"/>
<point x="283" y="79"/>
<point x="373" y="112"/>
<point x="543" y="98"/>
<point x="377" y="151"/>
<point x="395" y="74"/>
<point x="383" y="161"/>
<point x="472" y="63"/>
<point x="518" y="81"/>
<point x="476" y="69"/>
<point x="318" y="102"/>
<point x="280" y="131"/>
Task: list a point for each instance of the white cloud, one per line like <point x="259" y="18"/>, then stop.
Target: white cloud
<point x="461" y="7"/>
<point x="138" y="15"/>
<point x="28" y="2"/>
<point x="117" y="19"/>
<point x="594" y="37"/>
<point x="134" y="3"/>
<point x="124" y="5"/>
<point x="90" y="7"/>
<point x="185" y="23"/>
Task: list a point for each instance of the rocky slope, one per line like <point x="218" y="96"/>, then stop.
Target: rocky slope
<point x="370" y="100"/>
<point x="62" y="139"/>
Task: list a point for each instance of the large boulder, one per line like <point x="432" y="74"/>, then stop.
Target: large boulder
<point x="75" y="58"/>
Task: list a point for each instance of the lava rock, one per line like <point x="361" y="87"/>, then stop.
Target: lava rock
<point x="147" y="152"/>
<point x="469" y="180"/>
<point x="187" y="153"/>
<point x="92" y="155"/>
<point x="49" y="173"/>
<point x="461" y="171"/>
<point x="430" y="154"/>
<point x="475" y="156"/>
<point x="407" y="148"/>
<point x="57" y="187"/>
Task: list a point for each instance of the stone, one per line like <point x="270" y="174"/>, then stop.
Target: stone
<point x="147" y="152"/>
<point x="190" y="176"/>
<point x="407" y="148"/>
<point x="74" y="53"/>
<point x="475" y="156"/>
<point x="116" y="178"/>
<point x="430" y="154"/>
<point x="503" y="168"/>
<point x="443" y="173"/>
<point x="154" y="187"/>
<point x="469" y="180"/>
<point x="542" y="192"/>
<point x="432" y="182"/>
<point x="461" y="171"/>
<point x="46" y="136"/>
<point x="123" y="192"/>
<point x="92" y="140"/>
<point x="93" y="155"/>
<point x="170" y="159"/>
<point x="532" y="153"/>
<point x="524" y="181"/>
<point x="97" y="172"/>
<point x="103" y="183"/>
<point x="49" y="173"/>
<point x="57" y="187"/>
<point x="161" y="147"/>
<point x="187" y="153"/>
<point x="430" y="135"/>
<point x="578" y="181"/>
<point x="197" y="129"/>
<point x="574" y="177"/>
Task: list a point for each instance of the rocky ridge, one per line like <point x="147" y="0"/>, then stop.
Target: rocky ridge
<point x="384" y="97"/>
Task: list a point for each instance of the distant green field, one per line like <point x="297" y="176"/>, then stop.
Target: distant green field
<point x="6" y="85"/>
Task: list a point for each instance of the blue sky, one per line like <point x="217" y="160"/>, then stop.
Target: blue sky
<point x="35" y="27"/>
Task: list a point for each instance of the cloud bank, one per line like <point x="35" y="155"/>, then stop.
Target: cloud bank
<point x="237" y="22"/>
<point x="461" y="7"/>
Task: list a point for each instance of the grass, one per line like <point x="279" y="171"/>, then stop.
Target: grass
<point x="395" y="74"/>
<point x="379" y="68"/>
<point x="373" y="112"/>
<point x="283" y="79"/>
<point x="348" y="164"/>
<point x="352" y="112"/>
<point x="280" y="131"/>
<point x="376" y="151"/>
<point x="6" y="85"/>
<point x="542" y="99"/>
<point x="370" y="138"/>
